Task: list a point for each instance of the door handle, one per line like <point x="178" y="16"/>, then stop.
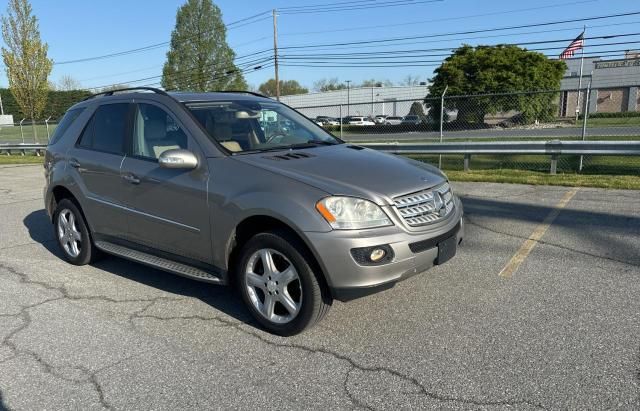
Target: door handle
<point x="130" y="178"/>
<point x="74" y="163"/>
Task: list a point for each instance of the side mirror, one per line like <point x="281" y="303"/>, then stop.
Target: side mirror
<point x="178" y="158"/>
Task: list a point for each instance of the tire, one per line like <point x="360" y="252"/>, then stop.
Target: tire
<point x="306" y="293"/>
<point x="73" y="237"/>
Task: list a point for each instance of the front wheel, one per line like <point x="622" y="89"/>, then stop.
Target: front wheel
<point x="278" y="284"/>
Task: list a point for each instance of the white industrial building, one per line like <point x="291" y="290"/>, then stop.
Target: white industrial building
<point x="358" y="101"/>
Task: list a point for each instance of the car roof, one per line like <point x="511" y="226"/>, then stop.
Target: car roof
<point x="187" y="97"/>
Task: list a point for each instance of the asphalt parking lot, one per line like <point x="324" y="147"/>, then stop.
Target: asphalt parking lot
<point x="555" y="327"/>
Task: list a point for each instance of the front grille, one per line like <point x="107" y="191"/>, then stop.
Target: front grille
<point x="425" y="207"/>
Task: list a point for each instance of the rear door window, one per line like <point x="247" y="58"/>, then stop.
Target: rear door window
<point x="106" y="131"/>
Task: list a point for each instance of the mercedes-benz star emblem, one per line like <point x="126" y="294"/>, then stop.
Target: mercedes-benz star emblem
<point x="439" y="204"/>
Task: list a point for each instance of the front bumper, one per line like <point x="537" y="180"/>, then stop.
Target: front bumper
<point x="349" y="280"/>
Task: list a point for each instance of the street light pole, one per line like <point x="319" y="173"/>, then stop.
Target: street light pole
<point x="348" y="95"/>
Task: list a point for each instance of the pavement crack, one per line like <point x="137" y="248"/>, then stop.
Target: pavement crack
<point x="90" y="377"/>
<point x="93" y="380"/>
<point x="175" y="318"/>
<point x="353" y="365"/>
<point x="470" y="221"/>
<point x="65" y="294"/>
<point x="345" y="386"/>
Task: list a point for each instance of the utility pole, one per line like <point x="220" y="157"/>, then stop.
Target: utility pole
<point x="275" y="52"/>
<point x="348" y="96"/>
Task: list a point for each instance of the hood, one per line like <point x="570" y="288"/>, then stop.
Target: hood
<point x="350" y="170"/>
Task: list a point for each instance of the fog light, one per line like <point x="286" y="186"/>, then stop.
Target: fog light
<point x="377" y="254"/>
<point x="374" y="255"/>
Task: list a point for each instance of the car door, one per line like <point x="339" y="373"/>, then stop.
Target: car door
<point x="96" y="158"/>
<point x="169" y="210"/>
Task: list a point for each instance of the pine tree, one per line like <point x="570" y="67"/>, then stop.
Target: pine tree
<point x="199" y="58"/>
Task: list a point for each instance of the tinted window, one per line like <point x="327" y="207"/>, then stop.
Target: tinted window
<point x="64" y="124"/>
<point x="155" y="131"/>
<point x="106" y="129"/>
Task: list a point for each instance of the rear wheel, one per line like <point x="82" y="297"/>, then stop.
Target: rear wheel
<point x="73" y="234"/>
<point x="278" y="284"/>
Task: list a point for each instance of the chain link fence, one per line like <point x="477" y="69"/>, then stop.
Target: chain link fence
<point x="584" y="114"/>
<point x="26" y="131"/>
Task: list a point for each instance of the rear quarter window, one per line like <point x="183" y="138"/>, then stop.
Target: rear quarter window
<point x="106" y="130"/>
<point x="67" y="120"/>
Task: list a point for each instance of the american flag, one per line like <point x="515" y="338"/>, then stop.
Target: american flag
<point x="576" y="44"/>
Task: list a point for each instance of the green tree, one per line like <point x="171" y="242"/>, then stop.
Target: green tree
<point x="199" y="58"/>
<point x="25" y="58"/>
<point x="496" y="69"/>
<point x="287" y="88"/>
<point x="328" y="85"/>
<point x="417" y="109"/>
<point x="58" y="102"/>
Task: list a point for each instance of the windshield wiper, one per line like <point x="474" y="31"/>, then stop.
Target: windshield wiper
<point x="312" y="143"/>
<point x="308" y="144"/>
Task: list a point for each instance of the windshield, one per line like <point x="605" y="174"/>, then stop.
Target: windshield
<point x="248" y="126"/>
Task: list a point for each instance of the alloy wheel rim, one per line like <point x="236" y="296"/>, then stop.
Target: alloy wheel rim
<point x="273" y="285"/>
<point x="68" y="233"/>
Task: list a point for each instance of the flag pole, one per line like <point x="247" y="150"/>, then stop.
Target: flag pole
<point x="584" y="31"/>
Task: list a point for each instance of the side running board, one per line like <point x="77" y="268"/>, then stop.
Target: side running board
<point x="159" y="262"/>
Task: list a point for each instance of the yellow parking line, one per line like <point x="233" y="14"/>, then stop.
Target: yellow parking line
<point x="524" y="251"/>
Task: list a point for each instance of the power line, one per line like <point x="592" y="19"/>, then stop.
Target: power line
<point x="254" y="61"/>
<point x="391" y="53"/>
<point x="178" y="75"/>
<point x="328" y="4"/>
<point x="248" y="18"/>
<point x="413" y="42"/>
<point x="441" y="19"/>
<point x="229" y="26"/>
<point x="372" y="62"/>
<point x="221" y="76"/>
<point x="386" y="4"/>
<point x="248" y="23"/>
<point x="463" y="32"/>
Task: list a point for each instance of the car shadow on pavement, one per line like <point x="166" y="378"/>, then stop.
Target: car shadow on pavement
<point x="606" y="232"/>
<point x="222" y="298"/>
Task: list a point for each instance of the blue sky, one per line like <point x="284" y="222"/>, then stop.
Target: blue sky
<point x="76" y="29"/>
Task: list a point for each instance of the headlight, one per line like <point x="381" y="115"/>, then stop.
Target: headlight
<point x="348" y="213"/>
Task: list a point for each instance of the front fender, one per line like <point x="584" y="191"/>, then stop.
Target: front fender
<point x="298" y="215"/>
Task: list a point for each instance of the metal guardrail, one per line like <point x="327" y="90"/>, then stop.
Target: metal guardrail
<point x="22" y="148"/>
<point x="553" y="148"/>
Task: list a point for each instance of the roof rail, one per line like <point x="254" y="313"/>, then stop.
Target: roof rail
<point x="225" y="91"/>
<point x="243" y="91"/>
<point x="111" y="92"/>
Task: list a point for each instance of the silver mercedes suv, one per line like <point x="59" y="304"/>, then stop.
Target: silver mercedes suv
<point x="235" y="188"/>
